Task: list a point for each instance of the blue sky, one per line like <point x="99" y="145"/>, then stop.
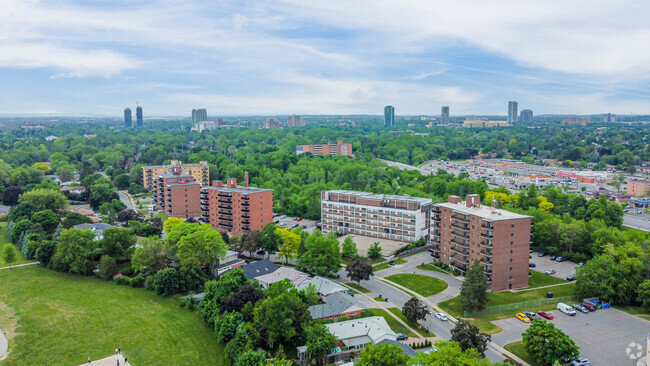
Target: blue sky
<point x="324" y="56"/>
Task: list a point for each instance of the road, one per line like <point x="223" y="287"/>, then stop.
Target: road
<point x="402" y="166"/>
<point x="641" y="221"/>
<point x="126" y="199"/>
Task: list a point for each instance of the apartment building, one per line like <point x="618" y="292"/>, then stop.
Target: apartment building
<point x="200" y="172"/>
<point x="327" y="149"/>
<point x="177" y="194"/>
<point x="399" y="218"/>
<point x="638" y="187"/>
<point x="236" y="209"/>
<point x="464" y="231"/>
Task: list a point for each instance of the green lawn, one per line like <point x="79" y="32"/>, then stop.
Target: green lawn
<point x="395" y="325"/>
<point x="415" y="326"/>
<point x="380" y="299"/>
<point x="518" y="349"/>
<point x="633" y="310"/>
<point x="357" y="287"/>
<point x="4" y="239"/>
<point x="385" y="265"/>
<point x="62" y="319"/>
<point x="537" y="279"/>
<point x="431" y="267"/>
<point x="423" y="285"/>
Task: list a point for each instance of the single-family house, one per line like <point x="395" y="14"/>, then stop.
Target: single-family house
<point x="357" y="333"/>
<point x="335" y="306"/>
<point x="97" y="228"/>
<point x="324" y="286"/>
<point x="294" y="276"/>
<point x="228" y="262"/>
<point x="263" y="267"/>
<point x="406" y="349"/>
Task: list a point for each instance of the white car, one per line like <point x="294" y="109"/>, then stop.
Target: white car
<point x="441" y="316"/>
<point x="550" y="271"/>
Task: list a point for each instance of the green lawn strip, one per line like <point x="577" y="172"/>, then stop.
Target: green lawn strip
<point x="633" y="310"/>
<point x="519" y="350"/>
<point x="357" y="287"/>
<point x="401" y="289"/>
<point x="4" y="240"/>
<point x="431" y="267"/>
<point x="385" y="265"/>
<point x="415" y="326"/>
<point x="537" y="279"/>
<point x="506" y="297"/>
<point x="423" y="285"/>
<point x="380" y="299"/>
<point x="395" y="325"/>
<point x="63" y="319"/>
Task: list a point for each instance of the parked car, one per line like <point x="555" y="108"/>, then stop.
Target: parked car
<point x="532" y="265"/>
<point x="560" y="259"/>
<point x="276" y="221"/>
<point x="550" y="271"/>
<point x="566" y="309"/>
<point x="578" y="265"/>
<point x="349" y="293"/>
<point x="579" y="361"/>
<point x="391" y="263"/>
<point x="294" y="225"/>
<point x="530" y="251"/>
<point x="441" y="316"/>
<point x="581" y="308"/>
<point x="545" y="315"/>
<point x="276" y="214"/>
<point x="523" y="317"/>
<point x="260" y="252"/>
<point x="402" y="337"/>
<point x="552" y="258"/>
<point x="541" y="254"/>
<point x="304" y="226"/>
<point x="530" y="314"/>
<point x="571" y="277"/>
<point x="283" y="216"/>
<point x="298" y="218"/>
<point x="589" y="306"/>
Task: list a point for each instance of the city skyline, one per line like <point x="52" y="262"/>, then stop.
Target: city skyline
<point x="323" y="57"/>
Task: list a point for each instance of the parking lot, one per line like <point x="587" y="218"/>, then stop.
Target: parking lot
<point x="562" y="269"/>
<point x="603" y="336"/>
<point x="288" y="222"/>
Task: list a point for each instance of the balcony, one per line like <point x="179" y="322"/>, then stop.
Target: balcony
<point x="458" y="260"/>
<point x="486" y="253"/>
<point x="460" y="218"/>
<point x="458" y="242"/>
<point x="487" y="236"/>
<point x="222" y="200"/>
<point x="224" y="213"/>
<point x="460" y="234"/>
<point x="486" y="243"/>
<point x="463" y="253"/>
<point x="228" y="207"/>
<point x="226" y="219"/>
<point x="245" y="204"/>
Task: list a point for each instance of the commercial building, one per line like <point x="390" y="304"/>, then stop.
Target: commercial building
<point x="199" y="115"/>
<point x="608" y="118"/>
<point x="138" y="116"/>
<point x="512" y="111"/>
<point x="399" y="218"/>
<point x="271" y="124"/>
<point x="583" y="121"/>
<point x="526" y="116"/>
<point x="327" y="149"/>
<point x="128" y="121"/>
<point x="638" y="187"/>
<point x="236" y="209"/>
<point x="200" y="172"/>
<point x="389" y="116"/>
<point x="177" y="194"/>
<point x="295" y="121"/>
<point x="444" y="115"/>
<point x="462" y="232"/>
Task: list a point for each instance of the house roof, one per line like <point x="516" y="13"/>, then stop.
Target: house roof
<point x="324" y="286"/>
<point x="296" y="277"/>
<point x="375" y="327"/>
<point x="253" y="270"/>
<point x="100" y="226"/>
<point x="405" y="347"/>
<point x="335" y="304"/>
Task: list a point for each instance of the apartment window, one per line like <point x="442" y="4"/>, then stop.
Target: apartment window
<point x="510" y="251"/>
<point x="510" y="269"/>
<point x="512" y="242"/>
<point x="512" y="234"/>
<point x="512" y="225"/>
<point x="510" y="278"/>
<point x="510" y="260"/>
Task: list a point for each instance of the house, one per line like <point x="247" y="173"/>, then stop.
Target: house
<point x="51" y="138"/>
<point x="97" y="228"/>
<point x="253" y="270"/>
<point x="337" y="305"/>
<point x="406" y="349"/>
<point x="324" y="286"/>
<point x="74" y="189"/>
<point x="228" y="262"/>
<point x="357" y="333"/>
<point x="294" y="276"/>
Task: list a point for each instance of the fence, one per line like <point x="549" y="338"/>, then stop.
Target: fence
<point x="521" y="306"/>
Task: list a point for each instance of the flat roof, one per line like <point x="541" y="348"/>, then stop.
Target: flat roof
<point x="486" y="212"/>
<point x="171" y="175"/>
<point x="240" y="189"/>
<point x="183" y="184"/>
<point x="377" y="196"/>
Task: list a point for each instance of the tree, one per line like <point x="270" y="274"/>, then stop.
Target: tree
<point x="322" y="256"/>
<point x="204" y="246"/>
<point x="270" y="239"/>
<point x="9" y="254"/>
<point x="74" y="251"/>
<point x="107" y="268"/>
<point x="644" y="295"/>
<point x="450" y="354"/>
<point x="414" y="310"/>
<point x="546" y="344"/>
<point x="74" y="218"/>
<point x="289" y="243"/>
<point x="359" y="270"/>
<point x="149" y="255"/>
<point x="467" y="335"/>
<point x="473" y="290"/>
<point x="167" y="282"/>
<point x="11" y="194"/>
<point x="226" y="326"/>
<point x="246" y="294"/>
<point x="280" y="318"/>
<point x="251" y="242"/>
<point x="171" y="222"/>
<point x="318" y="339"/>
<point x="349" y="248"/>
<point x="128" y="215"/>
<point x="102" y="190"/>
<point x="216" y="293"/>
<point x="374" y="251"/>
<point x="382" y="354"/>
<point x="118" y="242"/>
<point x="45" y="199"/>
<point x="251" y="358"/>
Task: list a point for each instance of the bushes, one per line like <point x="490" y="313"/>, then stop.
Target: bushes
<point x="123" y="280"/>
<point x="167" y="282"/>
<point x="107" y="268"/>
<point x="138" y="281"/>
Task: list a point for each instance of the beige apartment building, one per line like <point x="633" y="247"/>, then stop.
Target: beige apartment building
<point x="200" y="172"/>
<point x="638" y="187"/>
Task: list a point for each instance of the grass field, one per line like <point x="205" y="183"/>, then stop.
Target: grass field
<point x="61" y="319"/>
<point x="396" y="326"/>
<point x="4" y="239"/>
<point x="518" y="349"/>
<point x="357" y="287"/>
<point x="385" y="265"/>
<point x="431" y="267"/>
<point x="415" y="326"/>
<point x="633" y="310"/>
<point x="421" y="284"/>
<point x="537" y="279"/>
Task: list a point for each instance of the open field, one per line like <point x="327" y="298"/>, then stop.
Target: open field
<point x="633" y="310"/>
<point x="421" y="284"/>
<point x="4" y="239"/>
<point x="62" y="319"/>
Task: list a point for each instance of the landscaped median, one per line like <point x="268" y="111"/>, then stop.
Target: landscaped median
<point x="421" y="284"/>
<point x="387" y="265"/>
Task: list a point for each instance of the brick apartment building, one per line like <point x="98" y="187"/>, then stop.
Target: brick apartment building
<point x="200" y="172"/>
<point x="399" y="218"/>
<point x="464" y="231"/>
<point x="327" y="149"/>
<point x="177" y="194"/>
<point x="236" y="209"/>
<point x="638" y="187"/>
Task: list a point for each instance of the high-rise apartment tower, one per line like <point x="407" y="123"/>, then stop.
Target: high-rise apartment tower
<point x="512" y="111"/>
<point x="389" y="116"/>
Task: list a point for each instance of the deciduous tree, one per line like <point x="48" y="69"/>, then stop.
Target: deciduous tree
<point x="467" y="335"/>
<point x="382" y="354"/>
<point x="318" y="339"/>
<point x="322" y="256"/>
<point x="414" y="310"/>
<point x="149" y="256"/>
<point x="9" y="254"/>
<point x="289" y="243"/>
<point x="74" y="250"/>
<point x="359" y="270"/>
<point x="204" y="246"/>
<point x="473" y="290"/>
<point x="547" y="344"/>
<point x="374" y="251"/>
<point x="349" y="248"/>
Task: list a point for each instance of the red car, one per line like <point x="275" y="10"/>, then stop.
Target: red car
<point x="589" y="307"/>
<point x="545" y="314"/>
<point x="299" y="219"/>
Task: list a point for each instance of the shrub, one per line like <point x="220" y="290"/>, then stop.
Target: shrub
<point x="456" y="272"/>
<point x="343" y="318"/>
<point x="167" y="282"/>
<point x="123" y="280"/>
<point x="138" y="281"/>
<point x="148" y="283"/>
<point x="107" y="268"/>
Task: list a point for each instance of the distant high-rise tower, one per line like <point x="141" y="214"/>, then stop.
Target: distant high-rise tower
<point x="138" y="116"/>
<point x="512" y="111"/>
<point x="295" y="121"/>
<point x="127" y="117"/>
<point x="389" y="116"/>
<point x="199" y="115"/>
<point x="526" y="116"/>
<point x="444" y="115"/>
<point x="608" y="118"/>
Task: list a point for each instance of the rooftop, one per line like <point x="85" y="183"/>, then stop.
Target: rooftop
<point x="170" y="175"/>
<point x="486" y="212"/>
<point x="259" y="268"/>
<point x="375" y="196"/>
<point x="375" y="328"/>
<point x="405" y="347"/>
<point x="324" y="286"/>
<point x="296" y="277"/>
<point x="335" y="304"/>
<point x="240" y="189"/>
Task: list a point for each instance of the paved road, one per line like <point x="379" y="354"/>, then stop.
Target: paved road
<point x="108" y="361"/>
<point x="403" y="166"/>
<point x="641" y="221"/>
<point x="4" y="345"/>
<point x="125" y="199"/>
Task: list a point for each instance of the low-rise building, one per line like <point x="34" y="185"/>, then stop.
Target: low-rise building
<point x="200" y="172"/>
<point x="326" y="149"/>
<point x="255" y="269"/>
<point x="178" y="195"/>
<point x="324" y="286"/>
<point x="294" y="276"/>
<point x="357" y="333"/>
<point x="638" y="187"/>
<point x="228" y="262"/>
<point x="335" y="306"/>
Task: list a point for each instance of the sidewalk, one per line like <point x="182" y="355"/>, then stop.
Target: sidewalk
<point x="19" y="265"/>
<point x="108" y="361"/>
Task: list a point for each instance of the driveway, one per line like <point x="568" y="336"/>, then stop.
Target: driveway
<point x="563" y="269"/>
<point x="603" y="336"/>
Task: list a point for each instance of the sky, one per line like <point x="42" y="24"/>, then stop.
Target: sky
<point x="250" y="57"/>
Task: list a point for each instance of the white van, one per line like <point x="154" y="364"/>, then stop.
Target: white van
<point x="566" y="309"/>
